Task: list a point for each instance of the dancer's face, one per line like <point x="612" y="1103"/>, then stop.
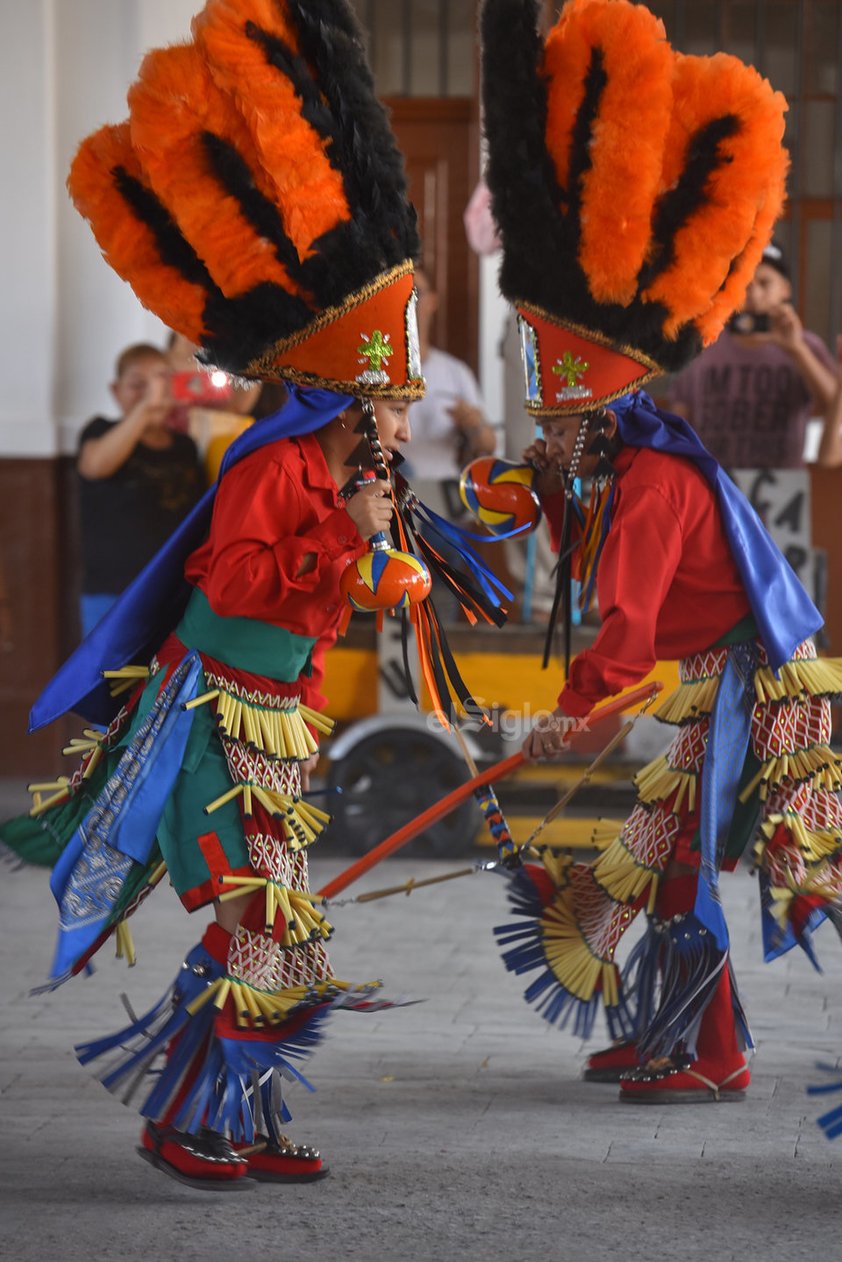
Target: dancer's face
<point x="392" y="416"/>
<point x="560" y="436"/>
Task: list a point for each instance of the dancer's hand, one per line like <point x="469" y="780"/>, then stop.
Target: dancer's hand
<point x="306" y="768"/>
<point x="549" y="737"/>
<point x="370" y="508"/>
<point x="548" y="481"/>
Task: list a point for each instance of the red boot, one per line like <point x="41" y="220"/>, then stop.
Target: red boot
<point x="282" y="1162"/>
<point x="609" y="1064"/>
<point x="205" y="1161"/>
<point x="678" y="1080"/>
<point x="719" y="1071"/>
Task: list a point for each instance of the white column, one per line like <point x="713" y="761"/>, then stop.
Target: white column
<point x="26" y="212"/>
<point x="65" y="67"/>
<point x="102" y="44"/>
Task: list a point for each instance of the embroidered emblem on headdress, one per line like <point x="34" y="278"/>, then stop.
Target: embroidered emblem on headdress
<point x="571" y="368"/>
<point x="373" y="351"/>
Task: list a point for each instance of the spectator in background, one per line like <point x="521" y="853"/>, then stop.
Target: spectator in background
<point x="137" y="480"/>
<point x="750" y="395"/>
<point x="830" y="447"/>
<point x="196" y="390"/>
<point x="449" y="425"/>
<point x="530" y="561"/>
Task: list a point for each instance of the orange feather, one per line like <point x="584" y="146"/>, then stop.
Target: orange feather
<point x="293" y="154"/>
<point x="126" y="243"/>
<point x="174" y="101"/>
<point x="745" y="192"/>
<point x="619" y="190"/>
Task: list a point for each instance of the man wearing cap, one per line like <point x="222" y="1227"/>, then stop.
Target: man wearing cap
<point x="750" y="395"/>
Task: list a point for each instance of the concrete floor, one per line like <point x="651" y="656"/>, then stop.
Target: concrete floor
<point x="454" y="1128"/>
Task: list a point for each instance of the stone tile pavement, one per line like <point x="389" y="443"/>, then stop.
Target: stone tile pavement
<point x="456" y="1128"/>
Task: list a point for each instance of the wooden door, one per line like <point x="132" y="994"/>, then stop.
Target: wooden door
<point x="439" y="138"/>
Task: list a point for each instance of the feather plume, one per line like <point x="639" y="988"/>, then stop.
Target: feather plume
<point x="726" y="132"/>
<point x="623" y="169"/>
<point x="634" y="188"/>
<point x="180" y="123"/>
<point x="238" y="38"/>
<point x="106" y="184"/>
<point x="363" y="143"/>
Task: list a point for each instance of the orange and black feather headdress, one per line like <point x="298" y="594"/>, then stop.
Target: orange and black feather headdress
<point x="634" y="188"/>
<point x="256" y="201"/>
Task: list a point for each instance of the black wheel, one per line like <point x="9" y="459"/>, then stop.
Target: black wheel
<point x="388" y="779"/>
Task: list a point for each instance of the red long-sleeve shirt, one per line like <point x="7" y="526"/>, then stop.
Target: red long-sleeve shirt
<point x="667" y="583"/>
<point x="273" y="509"/>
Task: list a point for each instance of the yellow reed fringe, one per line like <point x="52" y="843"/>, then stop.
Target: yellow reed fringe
<point x="572" y="962"/>
<point x="603" y="835"/>
<point x="125" y="944"/>
<point x="203" y="700"/>
<point x="319" y="721"/>
<point x="127" y="677"/>
<point x="557" y="867"/>
<point x="691" y="700"/>
<point x="818" y="764"/>
<point x="657" y="780"/>
<point x="295" y="908"/>
<point x="621" y="876"/>
<point x="302" y="822"/>
<point x="820" y="844"/>
<point x="264" y="1007"/>
<point x="277" y="733"/>
<point x="59" y="792"/>
<point x="818" y="677"/>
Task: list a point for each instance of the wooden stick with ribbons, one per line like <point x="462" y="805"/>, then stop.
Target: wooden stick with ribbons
<point x="637" y="696"/>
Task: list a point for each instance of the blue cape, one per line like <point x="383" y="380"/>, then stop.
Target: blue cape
<point x="152" y="604"/>
<point x="784" y="613"/>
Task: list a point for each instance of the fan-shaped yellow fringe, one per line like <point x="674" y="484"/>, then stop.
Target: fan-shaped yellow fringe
<point x="818" y="764"/>
<point x="691" y="700"/>
<point x="265" y="1007"/>
<point x="557" y="866"/>
<point x="820" y="844"/>
<point x="817" y="846"/>
<point x="276" y="733"/>
<point x="818" y="677"/>
<point x="657" y="780"/>
<point x="571" y="960"/>
<point x="621" y="875"/>
<point x="296" y="909"/>
<point x="302" y="822"/>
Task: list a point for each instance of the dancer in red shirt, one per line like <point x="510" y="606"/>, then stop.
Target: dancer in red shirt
<point x="255" y="201"/>
<point x="635" y="190"/>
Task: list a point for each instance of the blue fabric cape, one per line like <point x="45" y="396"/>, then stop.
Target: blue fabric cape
<point x="783" y="611"/>
<point x="153" y="603"/>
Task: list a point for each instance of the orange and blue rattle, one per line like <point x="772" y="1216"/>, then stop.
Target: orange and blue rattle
<point x="384" y="577"/>
<point x="501" y="495"/>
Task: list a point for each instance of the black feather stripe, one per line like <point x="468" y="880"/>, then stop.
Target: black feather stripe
<point x="521" y="175"/>
<point x="243" y="328"/>
<point x="233" y="173"/>
<point x="581" y="138"/>
<point x="540" y="237"/>
<point x="365" y="148"/>
<point x="172" y="247"/>
<point x="344" y="259"/>
<point x="692" y="191"/>
<point x="294" y="68"/>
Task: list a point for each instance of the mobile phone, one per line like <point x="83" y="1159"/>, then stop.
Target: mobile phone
<point x="748" y="322"/>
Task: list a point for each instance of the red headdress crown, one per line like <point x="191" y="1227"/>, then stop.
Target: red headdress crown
<point x="634" y="188"/>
